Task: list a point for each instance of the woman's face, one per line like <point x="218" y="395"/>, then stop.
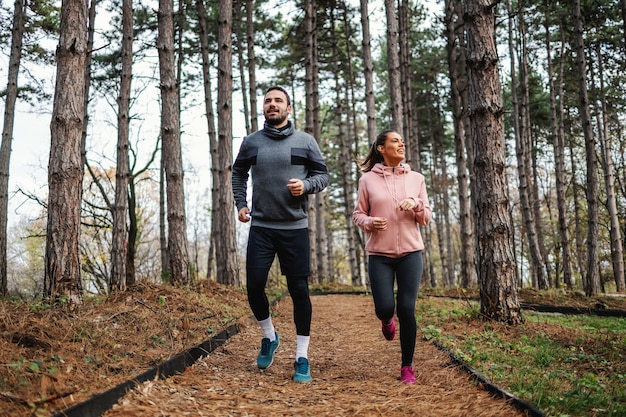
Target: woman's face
<point x="393" y="150"/>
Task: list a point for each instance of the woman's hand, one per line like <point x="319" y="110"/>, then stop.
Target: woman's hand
<point x="407" y="204"/>
<point x="379" y="223"/>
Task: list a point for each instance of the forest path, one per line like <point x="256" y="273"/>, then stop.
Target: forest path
<point x="355" y="373"/>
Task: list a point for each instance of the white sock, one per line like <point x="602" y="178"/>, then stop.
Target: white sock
<point x="268" y="328"/>
<point x="302" y="346"/>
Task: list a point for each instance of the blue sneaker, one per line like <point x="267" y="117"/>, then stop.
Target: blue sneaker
<point x="266" y="355"/>
<point x="302" y="371"/>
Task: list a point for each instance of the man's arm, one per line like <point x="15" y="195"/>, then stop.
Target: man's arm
<point x="317" y="178"/>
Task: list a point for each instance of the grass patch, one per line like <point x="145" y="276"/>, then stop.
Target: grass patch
<point x="564" y="365"/>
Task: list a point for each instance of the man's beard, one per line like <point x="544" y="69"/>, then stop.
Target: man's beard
<point x="275" y="119"/>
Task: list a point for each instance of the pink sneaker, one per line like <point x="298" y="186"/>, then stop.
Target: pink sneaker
<point x="407" y="376"/>
<point x="389" y="329"/>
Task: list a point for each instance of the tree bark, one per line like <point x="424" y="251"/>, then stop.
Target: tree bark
<point x="226" y="247"/>
<point x="17" y="36"/>
<point x="559" y="162"/>
<point x="522" y="147"/>
<point x="237" y="23"/>
<point x="591" y="282"/>
<point x="210" y="116"/>
<point x="345" y="163"/>
<point x="496" y="258"/>
<point x="393" y="68"/>
<point x="251" y="64"/>
<point x="411" y="131"/>
<point x="617" y="253"/>
<point x="62" y="278"/>
<point x="122" y="173"/>
<point x="455" y="60"/>
<point x="368" y="74"/>
<point x="171" y="150"/>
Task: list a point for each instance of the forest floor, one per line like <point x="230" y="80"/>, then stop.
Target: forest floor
<point x="52" y="359"/>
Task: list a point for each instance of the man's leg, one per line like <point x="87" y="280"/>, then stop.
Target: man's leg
<point x="294" y="256"/>
<point x="259" y="258"/>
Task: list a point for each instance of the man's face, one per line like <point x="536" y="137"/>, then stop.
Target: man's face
<point x="275" y="108"/>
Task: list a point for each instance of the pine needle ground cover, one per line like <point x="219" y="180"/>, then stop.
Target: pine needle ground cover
<point x="565" y="365"/>
<point x="51" y="359"/>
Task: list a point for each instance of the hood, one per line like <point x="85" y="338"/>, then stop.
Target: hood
<point x="384" y="170"/>
<point x="278" y="134"/>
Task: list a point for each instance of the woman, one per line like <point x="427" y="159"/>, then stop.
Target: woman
<point x="392" y="204"/>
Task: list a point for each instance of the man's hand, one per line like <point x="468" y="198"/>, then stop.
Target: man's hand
<point x="296" y="187"/>
<point x="244" y="215"/>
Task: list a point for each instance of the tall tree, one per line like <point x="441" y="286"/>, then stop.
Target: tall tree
<point x="251" y="64"/>
<point x="62" y="279"/>
<point x="216" y="230"/>
<point x="239" y="47"/>
<point x="317" y="229"/>
<point x="17" y="35"/>
<point x="368" y="74"/>
<point x="122" y="173"/>
<point x="456" y="61"/>
<point x="411" y="131"/>
<point x="522" y="147"/>
<point x="345" y="163"/>
<point x="393" y="67"/>
<point x="226" y="246"/>
<point x="591" y="282"/>
<point x="617" y="253"/>
<point x="496" y="259"/>
<point x="558" y="145"/>
<point x="171" y="150"/>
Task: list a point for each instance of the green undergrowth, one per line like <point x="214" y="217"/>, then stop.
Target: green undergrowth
<point x="565" y="365"/>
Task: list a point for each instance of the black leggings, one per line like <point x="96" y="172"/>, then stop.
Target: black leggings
<point x="407" y="272"/>
<point x="292" y="248"/>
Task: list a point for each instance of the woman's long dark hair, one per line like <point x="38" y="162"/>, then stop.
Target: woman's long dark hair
<point x="373" y="156"/>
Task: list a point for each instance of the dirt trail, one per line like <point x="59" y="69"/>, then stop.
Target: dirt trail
<point x="355" y="372"/>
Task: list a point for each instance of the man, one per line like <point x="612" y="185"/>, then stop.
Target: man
<point x="286" y="166"/>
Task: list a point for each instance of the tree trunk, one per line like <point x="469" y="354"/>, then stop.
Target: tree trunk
<point x="354" y="249"/>
<point x="368" y="74"/>
<point x="237" y="22"/>
<point x="319" y="237"/>
<point x="345" y="162"/>
<point x="556" y="132"/>
<point x="216" y="230"/>
<point x="122" y="174"/>
<point x="17" y="36"/>
<point x="62" y="279"/>
<point x="133" y="230"/>
<point x="522" y="147"/>
<point x="171" y="149"/>
<point x="393" y="68"/>
<point x="251" y="64"/>
<point x="454" y="54"/>
<point x="410" y="133"/>
<point x="617" y="253"/>
<point x="313" y="127"/>
<point x="165" y="259"/>
<point x="496" y="259"/>
<point x="226" y="246"/>
<point x="591" y="282"/>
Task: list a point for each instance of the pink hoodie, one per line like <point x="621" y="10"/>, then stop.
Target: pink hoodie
<point x="380" y="192"/>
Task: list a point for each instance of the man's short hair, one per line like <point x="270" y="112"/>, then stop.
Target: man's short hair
<point x="279" y="88"/>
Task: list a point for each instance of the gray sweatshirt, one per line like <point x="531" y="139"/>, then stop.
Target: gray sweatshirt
<point x="274" y="156"/>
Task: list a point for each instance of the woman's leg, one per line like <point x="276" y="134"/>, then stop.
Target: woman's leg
<point x="409" y="276"/>
<point x="381" y="274"/>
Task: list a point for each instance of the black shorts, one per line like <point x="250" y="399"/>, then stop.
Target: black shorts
<point x="291" y="246"/>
